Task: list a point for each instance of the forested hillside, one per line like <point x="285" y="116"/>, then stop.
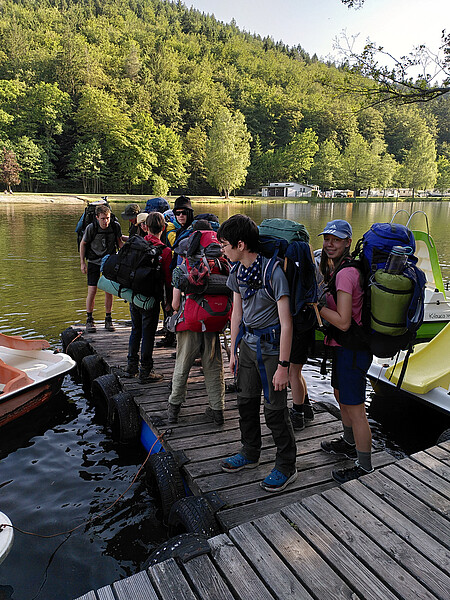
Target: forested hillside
<point x="149" y="96"/>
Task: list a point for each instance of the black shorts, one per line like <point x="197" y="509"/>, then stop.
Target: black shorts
<point x="302" y="346"/>
<point x="93" y="274"/>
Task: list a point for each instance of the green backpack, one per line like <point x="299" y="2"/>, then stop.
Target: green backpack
<point x="286" y="229"/>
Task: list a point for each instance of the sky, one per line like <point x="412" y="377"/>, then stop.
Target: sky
<point x="397" y="25"/>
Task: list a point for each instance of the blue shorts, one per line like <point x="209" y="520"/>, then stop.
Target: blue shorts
<point x="348" y="374"/>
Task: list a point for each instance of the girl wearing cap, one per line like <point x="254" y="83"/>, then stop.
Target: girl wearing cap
<point x="184" y="215"/>
<point x="351" y="361"/>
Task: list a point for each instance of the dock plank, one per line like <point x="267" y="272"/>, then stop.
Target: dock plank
<point x="436" y="466"/>
<point x="105" y="593"/>
<point x="136" y="586"/>
<point x="367" y="551"/>
<point x="400" y="523"/>
<point x="360" y="578"/>
<point x="268" y="564"/>
<point x="170" y="582"/>
<point x="402" y="552"/>
<point x="240" y="576"/>
<point x="206" y="579"/>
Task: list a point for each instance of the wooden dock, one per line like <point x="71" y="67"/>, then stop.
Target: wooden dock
<point x="199" y="445"/>
<point x="385" y="536"/>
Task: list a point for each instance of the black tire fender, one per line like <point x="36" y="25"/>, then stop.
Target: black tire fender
<point x="193" y="514"/>
<point x="164" y="481"/>
<point x="103" y="388"/>
<point x="92" y="366"/>
<point x="67" y="336"/>
<point x="124" y="419"/>
<point x="78" y="350"/>
<point x="444" y="437"/>
<point x="182" y="548"/>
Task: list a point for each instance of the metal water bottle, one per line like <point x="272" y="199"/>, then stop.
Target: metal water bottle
<point x="397" y="259"/>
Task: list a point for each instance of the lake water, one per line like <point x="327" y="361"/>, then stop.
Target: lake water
<point x="61" y="469"/>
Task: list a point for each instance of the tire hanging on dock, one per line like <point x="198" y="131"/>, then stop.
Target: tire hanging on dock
<point x="103" y="389"/>
<point x="182" y="548"/>
<point x="67" y="336"/>
<point x="193" y="514"/>
<point x="124" y="419"/>
<point x="164" y="481"/>
<point x="78" y="350"/>
<point x="444" y="437"/>
<point x="92" y="366"/>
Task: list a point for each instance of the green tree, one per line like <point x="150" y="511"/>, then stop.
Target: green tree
<point x="34" y="161"/>
<point x="327" y="165"/>
<point x="86" y="165"/>
<point x="227" y="151"/>
<point x="357" y="164"/>
<point x="9" y="169"/>
<point x="419" y="170"/>
<point x="298" y="156"/>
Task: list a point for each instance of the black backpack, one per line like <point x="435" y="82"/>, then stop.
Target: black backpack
<point x="137" y="266"/>
<point x="88" y="217"/>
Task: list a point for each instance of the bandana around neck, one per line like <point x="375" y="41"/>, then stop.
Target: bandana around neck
<point x="251" y="277"/>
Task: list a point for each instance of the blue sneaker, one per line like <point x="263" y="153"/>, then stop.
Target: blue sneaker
<point x="237" y="462"/>
<point x="276" y="481"/>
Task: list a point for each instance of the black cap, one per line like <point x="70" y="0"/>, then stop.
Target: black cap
<point x="131" y="211"/>
<point x="183" y="202"/>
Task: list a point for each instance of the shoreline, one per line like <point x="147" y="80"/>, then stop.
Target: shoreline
<point x="83" y="199"/>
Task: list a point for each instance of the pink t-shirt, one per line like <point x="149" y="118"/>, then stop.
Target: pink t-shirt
<point x="348" y="280"/>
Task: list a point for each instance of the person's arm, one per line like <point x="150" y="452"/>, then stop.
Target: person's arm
<point x="236" y="318"/>
<point x="281" y="377"/>
<point x="342" y="316"/>
<point x="120" y="241"/>
<point x="176" y="299"/>
<point x="83" y="264"/>
<point x="166" y="260"/>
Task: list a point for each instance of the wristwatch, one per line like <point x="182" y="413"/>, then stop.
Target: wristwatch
<point x="284" y="363"/>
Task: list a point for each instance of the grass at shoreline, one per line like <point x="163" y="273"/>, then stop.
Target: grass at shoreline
<point x="141" y="199"/>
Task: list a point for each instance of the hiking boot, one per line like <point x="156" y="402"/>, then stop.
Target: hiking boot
<point x="339" y="446"/>
<point x="277" y="481"/>
<point x="109" y="326"/>
<point x="130" y="372"/>
<point x="237" y="462"/>
<point x="173" y="411"/>
<point x="308" y="411"/>
<point x="90" y="326"/>
<point x="349" y="474"/>
<point x="297" y="419"/>
<point x="146" y="376"/>
<point x="168" y="341"/>
<point x="214" y="415"/>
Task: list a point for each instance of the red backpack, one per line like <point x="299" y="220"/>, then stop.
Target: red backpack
<point x="208" y="299"/>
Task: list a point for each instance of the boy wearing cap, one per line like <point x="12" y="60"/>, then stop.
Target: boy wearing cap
<point x="100" y="238"/>
<point x="130" y="214"/>
<point x="261" y="327"/>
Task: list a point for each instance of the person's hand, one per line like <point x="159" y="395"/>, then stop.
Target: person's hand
<point x="84" y="268"/>
<point x="232" y="362"/>
<point x="280" y="379"/>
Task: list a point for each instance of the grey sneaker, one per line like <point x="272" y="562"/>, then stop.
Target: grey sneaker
<point x="150" y="376"/>
<point x="109" y="326"/>
<point x="339" y="446"/>
<point x="90" y="326"/>
<point x="216" y="416"/>
<point x="297" y="419"/>
<point x="173" y="411"/>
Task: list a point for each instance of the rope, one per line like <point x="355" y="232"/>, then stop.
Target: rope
<point x="4" y="525"/>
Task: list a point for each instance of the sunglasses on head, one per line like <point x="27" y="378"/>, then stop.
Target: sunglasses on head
<point x="180" y="212"/>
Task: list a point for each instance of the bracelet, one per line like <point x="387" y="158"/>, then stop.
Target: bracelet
<point x="284" y="363"/>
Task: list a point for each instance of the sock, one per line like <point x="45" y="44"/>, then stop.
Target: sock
<point x="365" y="460"/>
<point x="307" y="399"/>
<point x="298" y="407"/>
<point x="348" y="435"/>
<point x="108" y="317"/>
<point x="89" y="316"/>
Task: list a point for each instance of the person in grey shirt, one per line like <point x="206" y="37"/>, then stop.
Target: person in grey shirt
<point x="261" y="327"/>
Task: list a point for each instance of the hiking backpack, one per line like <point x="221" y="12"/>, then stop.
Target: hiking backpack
<point x="137" y="266"/>
<point x="208" y="299"/>
<point x="393" y="304"/>
<point x="286" y="243"/>
<point x="88" y="217"/>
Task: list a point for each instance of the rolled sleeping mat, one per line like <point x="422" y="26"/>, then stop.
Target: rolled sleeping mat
<point x="390" y="296"/>
<point x="111" y="287"/>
